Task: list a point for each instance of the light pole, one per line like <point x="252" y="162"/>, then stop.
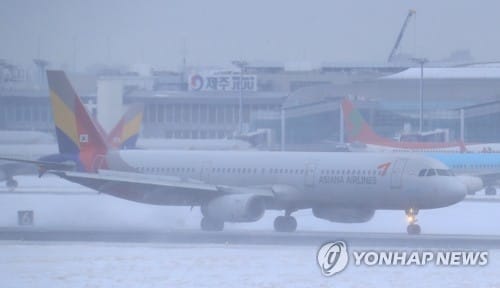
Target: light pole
<point x="421" y="61"/>
<point x="241" y="64"/>
<point x="341" y="121"/>
<point x="283" y="127"/>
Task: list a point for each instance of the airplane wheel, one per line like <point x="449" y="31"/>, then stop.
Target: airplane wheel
<point x="490" y="191"/>
<point x="285" y="224"/>
<point x="11" y="184"/>
<point x="413" y="229"/>
<point x="208" y="224"/>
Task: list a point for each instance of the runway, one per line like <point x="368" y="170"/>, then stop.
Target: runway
<point x="81" y="238"/>
<point x="67" y="212"/>
<point x="248" y="237"/>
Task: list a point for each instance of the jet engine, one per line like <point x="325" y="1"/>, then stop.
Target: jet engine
<point x="343" y="215"/>
<point x="235" y="208"/>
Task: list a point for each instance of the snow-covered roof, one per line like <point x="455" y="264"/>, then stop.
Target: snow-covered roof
<point x="448" y="73"/>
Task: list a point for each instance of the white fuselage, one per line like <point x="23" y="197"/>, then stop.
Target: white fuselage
<point x="473" y="148"/>
<point x="8" y="137"/>
<point x="378" y="181"/>
<point x="27" y="151"/>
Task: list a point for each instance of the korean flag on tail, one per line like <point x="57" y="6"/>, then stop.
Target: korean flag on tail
<point x="84" y="138"/>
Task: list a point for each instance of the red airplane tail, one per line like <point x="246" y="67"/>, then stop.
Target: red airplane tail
<point x="126" y="132"/>
<point x="356" y="127"/>
<point x="358" y="130"/>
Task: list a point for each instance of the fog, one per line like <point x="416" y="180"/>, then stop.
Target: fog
<point x="230" y="143"/>
<point x="77" y="34"/>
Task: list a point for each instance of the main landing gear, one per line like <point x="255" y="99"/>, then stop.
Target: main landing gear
<point x="11" y="184"/>
<point x="209" y="224"/>
<point x="285" y="223"/>
<point x="490" y="191"/>
<point x="411" y="216"/>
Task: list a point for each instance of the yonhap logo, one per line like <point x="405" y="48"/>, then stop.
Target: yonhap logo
<point x="332" y="258"/>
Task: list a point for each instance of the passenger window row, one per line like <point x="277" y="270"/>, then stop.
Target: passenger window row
<point x="158" y="170"/>
<point x="481" y="166"/>
<point x="350" y="172"/>
<point x="167" y="170"/>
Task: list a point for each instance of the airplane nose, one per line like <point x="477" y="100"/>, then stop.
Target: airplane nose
<point x="455" y="191"/>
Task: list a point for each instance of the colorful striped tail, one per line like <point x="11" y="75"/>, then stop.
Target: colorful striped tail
<point x="77" y="135"/>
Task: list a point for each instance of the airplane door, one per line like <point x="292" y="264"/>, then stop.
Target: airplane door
<point x="309" y="175"/>
<point x="397" y="173"/>
<point x="206" y="168"/>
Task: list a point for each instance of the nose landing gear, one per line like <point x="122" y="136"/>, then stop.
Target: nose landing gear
<point x="411" y="217"/>
<point x="11" y="184"/>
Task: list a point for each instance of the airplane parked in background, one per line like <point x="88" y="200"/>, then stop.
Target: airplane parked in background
<point x="123" y="136"/>
<point x="238" y="186"/>
<point x="482" y="168"/>
<point x="126" y="132"/>
<point x="15" y="137"/>
<point x="22" y="151"/>
<point x="359" y="131"/>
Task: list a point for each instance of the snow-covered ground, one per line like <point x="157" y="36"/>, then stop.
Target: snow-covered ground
<point x="56" y="264"/>
<point x="90" y="210"/>
<point x="149" y="265"/>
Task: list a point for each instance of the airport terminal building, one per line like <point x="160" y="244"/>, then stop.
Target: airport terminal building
<point x="204" y="103"/>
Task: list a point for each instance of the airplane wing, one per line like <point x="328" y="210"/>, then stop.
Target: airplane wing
<point x="11" y="168"/>
<point x="42" y="165"/>
<point x="155" y="187"/>
<point x="489" y="178"/>
<point x="149" y="187"/>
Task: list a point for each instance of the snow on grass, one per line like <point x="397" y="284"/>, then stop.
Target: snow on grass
<point x="159" y="265"/>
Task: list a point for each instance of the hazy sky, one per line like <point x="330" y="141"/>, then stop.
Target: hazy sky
<point x="215" y="32"/>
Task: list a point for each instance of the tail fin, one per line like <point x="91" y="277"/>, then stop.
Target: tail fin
<point x="124" y="135"/>
<point x="356" y="127"/>
<point x="101" y="130"/>
<point x="76" y="132"/>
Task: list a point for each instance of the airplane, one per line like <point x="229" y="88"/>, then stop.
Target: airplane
<point x="22" y="151"/>
<point x="483" y="169"/>
<point x="11" y="137"/>
<point x="126" y="132"/>
<point x="123" y="136"/>
<point x="239" y="186"/>
<point x="193" y="144"/>
<point x="358" y="131"/>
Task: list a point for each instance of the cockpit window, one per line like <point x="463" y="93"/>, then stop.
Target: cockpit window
<point x="422" y="172"/>
<point x="434" y="172"/>
<point x="431" y="172"/>
<point x="443" y="172"/>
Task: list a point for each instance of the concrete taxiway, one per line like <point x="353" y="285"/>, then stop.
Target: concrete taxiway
<point x="244" y="237"/>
